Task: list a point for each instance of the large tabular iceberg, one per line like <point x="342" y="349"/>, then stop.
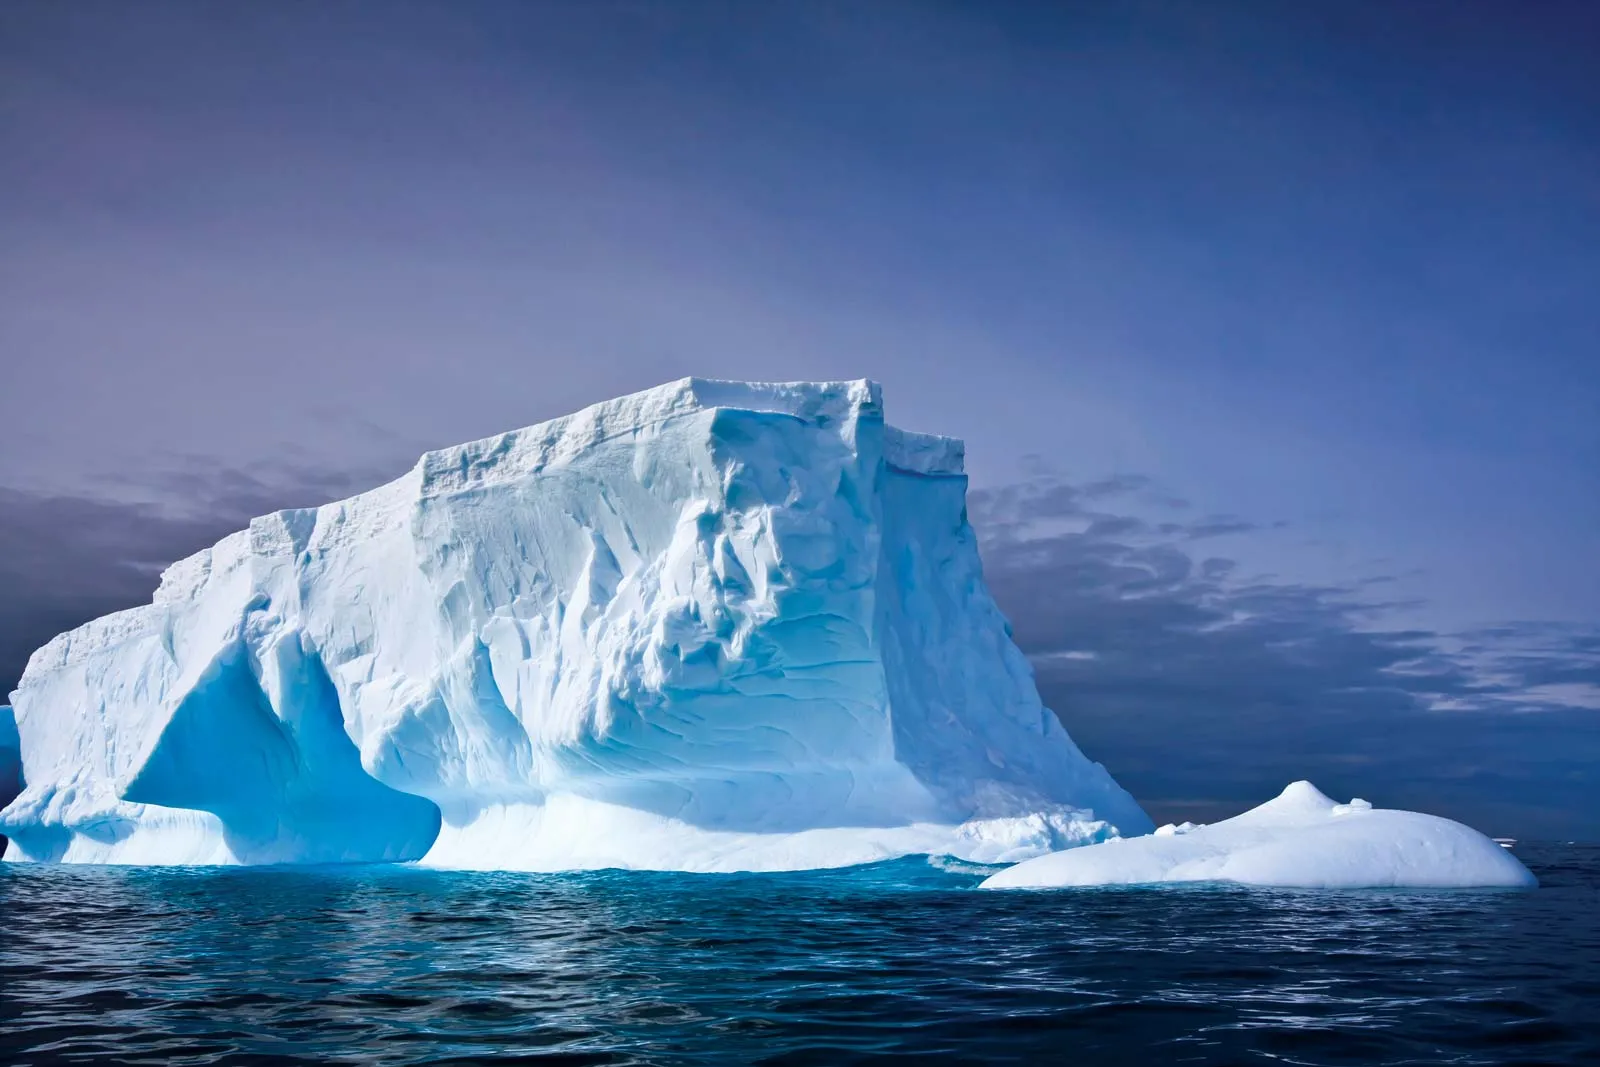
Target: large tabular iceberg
<point x="1301" y="838"/>
<point x="710" y="626"/>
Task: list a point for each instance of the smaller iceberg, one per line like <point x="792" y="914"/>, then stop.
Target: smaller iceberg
<point x="1300" y="839"/>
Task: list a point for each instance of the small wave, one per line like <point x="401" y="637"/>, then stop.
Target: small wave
<point x="952" y="865"/>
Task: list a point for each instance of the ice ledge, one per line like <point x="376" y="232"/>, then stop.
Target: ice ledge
<point x="923" y="453"/>
<point x="519" y="453"/>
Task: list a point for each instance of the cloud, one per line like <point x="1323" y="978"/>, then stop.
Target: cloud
<point x="1219" y="526"/>
<point x="1205" y="692"/>
<point x="1116" y="485"/>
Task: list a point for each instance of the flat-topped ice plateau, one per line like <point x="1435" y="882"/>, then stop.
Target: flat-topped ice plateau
<point x="1301" y="838"/>
<point x="710" y="626"/>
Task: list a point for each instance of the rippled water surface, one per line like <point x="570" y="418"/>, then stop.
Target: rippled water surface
<point x="397" y="965"/>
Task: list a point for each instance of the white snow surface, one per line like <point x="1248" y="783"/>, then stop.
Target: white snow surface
<point x="1301" y="838"/>
<point x="710" y="626"/>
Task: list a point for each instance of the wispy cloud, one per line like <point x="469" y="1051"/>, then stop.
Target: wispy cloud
<point x="1205" y="689"/>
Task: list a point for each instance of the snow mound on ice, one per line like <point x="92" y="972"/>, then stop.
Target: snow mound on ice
<point x="1300" y="838"/>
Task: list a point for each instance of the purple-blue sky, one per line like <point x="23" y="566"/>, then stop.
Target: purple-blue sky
<point x="1279" y="320"/>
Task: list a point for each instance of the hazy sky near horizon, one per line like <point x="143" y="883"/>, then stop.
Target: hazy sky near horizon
<point x="1325" y="273"/>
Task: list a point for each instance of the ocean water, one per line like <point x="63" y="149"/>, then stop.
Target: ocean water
<point x="893" y="963"/>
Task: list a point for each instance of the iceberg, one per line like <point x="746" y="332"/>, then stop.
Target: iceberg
<point x="709" y="626"/>
<point x="1300" y="839"/>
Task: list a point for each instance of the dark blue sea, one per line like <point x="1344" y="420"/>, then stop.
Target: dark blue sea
<point x="900" y="962"/>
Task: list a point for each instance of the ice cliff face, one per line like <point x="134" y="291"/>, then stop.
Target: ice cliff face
<point x="708" y="626"/>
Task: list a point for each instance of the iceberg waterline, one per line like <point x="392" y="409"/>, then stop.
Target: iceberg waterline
<point x="710" y="626"/>
<point x="1300" y="839"/>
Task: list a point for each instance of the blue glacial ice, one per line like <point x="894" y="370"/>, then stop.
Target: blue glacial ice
<point x="710" y="626"/>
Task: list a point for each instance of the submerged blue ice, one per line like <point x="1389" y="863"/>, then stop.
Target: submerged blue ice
<point x="711" y="626"/>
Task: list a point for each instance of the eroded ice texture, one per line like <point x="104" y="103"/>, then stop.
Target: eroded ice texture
<point x="709" y="626"/>
<point x="1300" y="838"/>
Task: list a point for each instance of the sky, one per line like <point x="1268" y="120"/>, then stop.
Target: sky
<point x="1271" y="329"/>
